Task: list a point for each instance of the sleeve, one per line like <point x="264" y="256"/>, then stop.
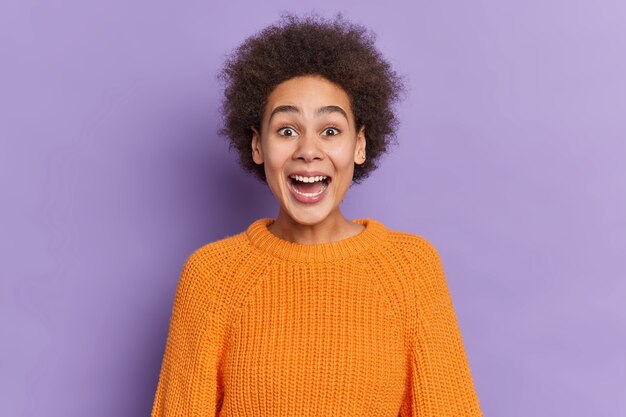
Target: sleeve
<point x="439" y="382"/>
<point x="188" y="382"/>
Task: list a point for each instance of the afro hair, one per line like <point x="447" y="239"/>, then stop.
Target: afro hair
<point x="338" y="50"/>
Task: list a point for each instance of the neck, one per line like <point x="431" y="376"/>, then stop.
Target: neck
<point x="333" y="228"/>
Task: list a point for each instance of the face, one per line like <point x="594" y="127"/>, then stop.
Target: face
<point x="308" y="133"/>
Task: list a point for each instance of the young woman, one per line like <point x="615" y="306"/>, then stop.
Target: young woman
<point x="312" y="314"/>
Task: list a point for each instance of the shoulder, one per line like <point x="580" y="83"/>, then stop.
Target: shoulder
<point x="422" y="269"/>
<point x="209" y="275"/>
<point x="426" y="286"/>
<point x="418" y="272"/>
<point x="415" y="248"/>
<point x="218" y="252"/>
<point x="205" y="267"/>
<point x="208" y="261"/>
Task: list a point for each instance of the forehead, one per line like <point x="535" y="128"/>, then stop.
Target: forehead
<point x="309" y="93"/>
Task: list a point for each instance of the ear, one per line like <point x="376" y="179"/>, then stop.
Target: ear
<point x="257" y="154"/>
<point x="359" y="150"/>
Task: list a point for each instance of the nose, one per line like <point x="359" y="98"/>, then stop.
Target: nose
<point x="308" y="147"/>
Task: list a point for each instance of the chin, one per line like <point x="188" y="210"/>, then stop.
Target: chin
<point x="307" y="215"/>
<point x="308" y="219"/>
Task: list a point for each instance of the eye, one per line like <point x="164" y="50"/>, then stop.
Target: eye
<point x="334" y="131"/>
<point x="287" y="131"/>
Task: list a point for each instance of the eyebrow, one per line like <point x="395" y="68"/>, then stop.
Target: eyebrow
<point x="322" y="110"/>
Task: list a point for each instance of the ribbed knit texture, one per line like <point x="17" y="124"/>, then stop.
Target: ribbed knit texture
<point x="360" y="327"/>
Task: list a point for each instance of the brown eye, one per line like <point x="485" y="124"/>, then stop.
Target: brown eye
<point x="287" y="131"/>
<point x="334" y="131"/>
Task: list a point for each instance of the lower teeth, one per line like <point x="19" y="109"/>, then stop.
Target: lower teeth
<point x="324" y="186"/>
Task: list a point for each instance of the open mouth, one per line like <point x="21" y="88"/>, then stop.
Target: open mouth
<point x="309" y="186"/>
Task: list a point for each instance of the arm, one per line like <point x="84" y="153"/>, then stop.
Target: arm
<point x="188" y="381"/>
<point x="440" y="383"/>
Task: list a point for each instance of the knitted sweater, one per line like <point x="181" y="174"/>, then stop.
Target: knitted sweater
<point x="359" y="327"/>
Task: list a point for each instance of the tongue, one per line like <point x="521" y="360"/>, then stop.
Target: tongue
<point x="308" y="187"/>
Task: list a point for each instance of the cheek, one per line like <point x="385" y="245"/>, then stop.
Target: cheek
<point x="275" y="159"/>
<point x="275" y="156"/>
<point x="343" y="159"/>
<point x="274" y="163"/>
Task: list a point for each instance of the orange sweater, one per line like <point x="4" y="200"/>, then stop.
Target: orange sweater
<point x="360" y="327"/>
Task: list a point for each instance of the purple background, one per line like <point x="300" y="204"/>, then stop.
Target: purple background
<point x="512" y="161"/>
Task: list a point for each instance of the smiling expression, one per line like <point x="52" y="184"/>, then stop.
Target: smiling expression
<point x="308" y="129"/>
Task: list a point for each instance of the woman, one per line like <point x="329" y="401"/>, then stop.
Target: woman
<point x="312" y="314"/>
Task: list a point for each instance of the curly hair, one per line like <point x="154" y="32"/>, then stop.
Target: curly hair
<point x="338" y="50"/>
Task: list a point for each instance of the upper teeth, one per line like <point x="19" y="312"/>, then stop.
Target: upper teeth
<point x="308" y="179"/>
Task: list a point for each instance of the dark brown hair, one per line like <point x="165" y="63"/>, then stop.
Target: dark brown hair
<point x="338" y="50"/>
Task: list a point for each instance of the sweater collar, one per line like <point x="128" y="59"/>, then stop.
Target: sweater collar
<point x="260" y="237"/>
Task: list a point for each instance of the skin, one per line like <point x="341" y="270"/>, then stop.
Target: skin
<point x="303" y="139"/>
